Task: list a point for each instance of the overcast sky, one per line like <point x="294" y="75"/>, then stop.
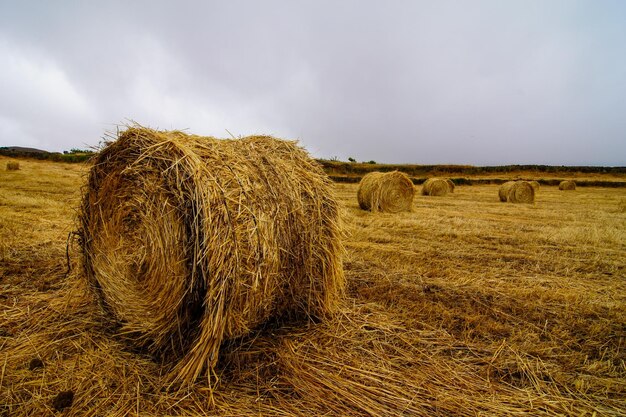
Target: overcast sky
<point x="426" y="82"/>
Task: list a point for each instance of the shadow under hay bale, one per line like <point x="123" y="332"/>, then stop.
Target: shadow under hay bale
<point x="517" y="192"/>
<point x="567" y="185"/>
<point x="13" y="166"/>
<point x="189" y="240"/>
<point x="436" y="187"/>
<point x="387" y="192"/>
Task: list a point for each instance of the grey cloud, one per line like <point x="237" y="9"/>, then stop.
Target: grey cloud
<point x="484" y="82"/>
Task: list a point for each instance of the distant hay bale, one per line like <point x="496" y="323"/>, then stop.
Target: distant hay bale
<point x="567" y="185"/>
<point x="13" y="166"/>
<point x="435" y="187"/>
<point x="450" y="184"/>
<point x="390" y="192"/>
<point x="517" y="192"/>
<point x="535" y="185"/>
<point x="503" y="192"/>
<point x="189" y="241"/>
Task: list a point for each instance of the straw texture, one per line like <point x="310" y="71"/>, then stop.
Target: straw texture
<point x="388" y="192"/>
<point x="189" y="241"/>
<point x="450" y="184"/>
<point x="535" y="185"/>
<point x="517" y="192"/>
<point x="567" y="185"/>
<point x="435" y="187"/>
<point x="13" y="166"/>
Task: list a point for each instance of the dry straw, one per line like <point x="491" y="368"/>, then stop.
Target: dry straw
<point x="517" y="192"/>
<point x="567" y="185"/>
<point x="436" y="187"/>
<point x="13" y="166"/>
<point x="535" y="185"/>
<point x="450" y="184"/>
<point x="388" y="192"/>
<point x="190" y="240"/>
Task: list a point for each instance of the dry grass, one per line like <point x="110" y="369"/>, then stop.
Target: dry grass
<point x="13" y="166"/>
<point x="524" y="315"/>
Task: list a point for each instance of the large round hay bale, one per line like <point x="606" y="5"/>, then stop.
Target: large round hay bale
<point x="390" y="192"/>
<point x="451" y="185"/>
<point x="567" y="185"/>
<point x="517" y="192"/>
<point x="535" y="185"/>
<point x="13" y="166"/>
<point x="189" y="240"/>
<point x="435" y="187"/>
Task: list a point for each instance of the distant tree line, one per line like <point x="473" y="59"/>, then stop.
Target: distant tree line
<point x="362" y="168"/>
<point x="73" y="155"/>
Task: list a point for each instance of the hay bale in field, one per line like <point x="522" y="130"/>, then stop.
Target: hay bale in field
<point x="567" y="185"/>
<point x="503" y="192"/>
<point x="450" y="184"/>
<point x="13" y="166"/>
<point x="535" y="185"/>
<point x="189" y="240"/>
<point x="517" y="192"/>
<point x="388" y="192"/>
<point x="435" y="187"/>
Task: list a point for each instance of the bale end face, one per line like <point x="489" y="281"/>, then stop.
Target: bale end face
<point x="567" y="185"/>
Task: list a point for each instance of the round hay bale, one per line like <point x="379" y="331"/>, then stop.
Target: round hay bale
<point x="504" y="190"/>
<point x="435" y="187"/>
<point x="567" y="185"/>
<point x="189" y="241"/>
<point x="390" y="192"/>
<point x="517" y="192"/>
<point x="13" y="166"/>
<point x="450" y="184"/>
<point x="535" y="185"/>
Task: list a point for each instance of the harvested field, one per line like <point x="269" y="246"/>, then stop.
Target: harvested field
<point x="523" y="315"/>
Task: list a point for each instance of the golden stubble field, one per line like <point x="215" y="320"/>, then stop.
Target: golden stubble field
<point x="465" y="306"/>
